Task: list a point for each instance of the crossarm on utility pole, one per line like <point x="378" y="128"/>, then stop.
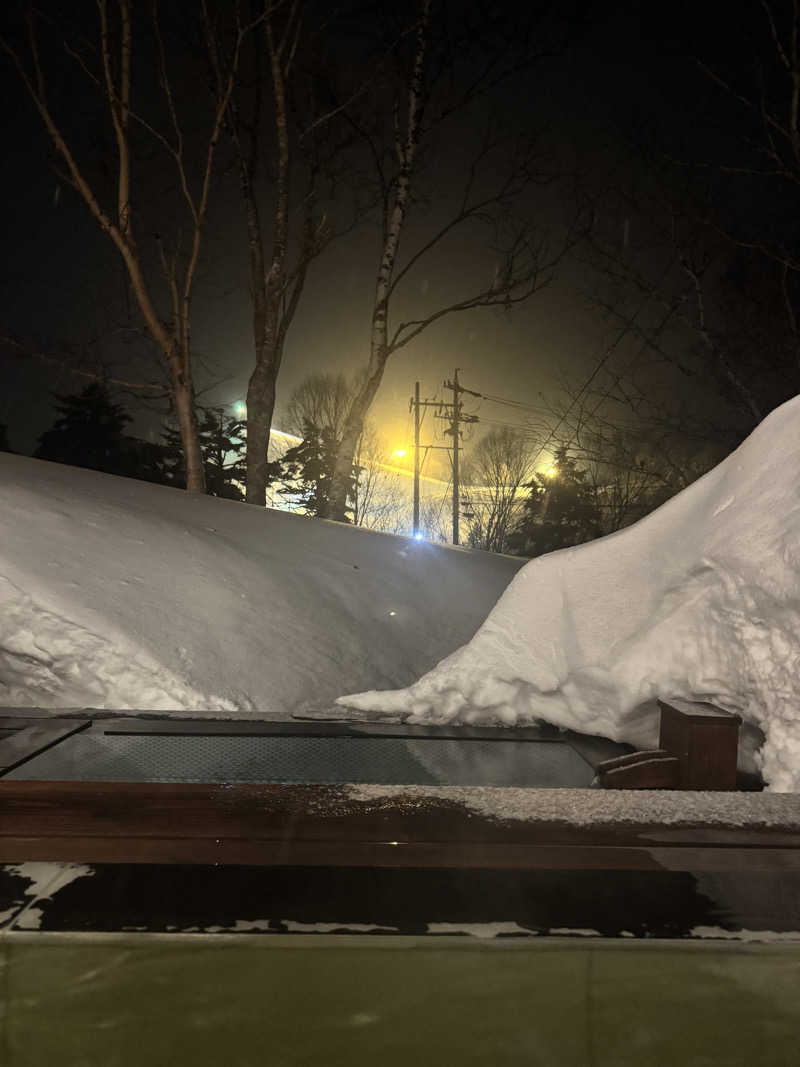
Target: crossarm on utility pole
<point x="455" y="420"/>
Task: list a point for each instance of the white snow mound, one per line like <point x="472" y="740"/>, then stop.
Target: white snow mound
<point x="699" y="600"/>
<point x="120" y="595"/>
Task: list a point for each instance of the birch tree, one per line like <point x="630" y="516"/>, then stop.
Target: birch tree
<point x="417" y="114"/>
<point x="162" y="279"/>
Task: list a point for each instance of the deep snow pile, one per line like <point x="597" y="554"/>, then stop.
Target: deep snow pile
<point x="116" y="594"/>
<point x="699" y="600"/>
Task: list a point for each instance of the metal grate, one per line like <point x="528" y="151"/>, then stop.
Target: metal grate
<point x="95" y="756"/>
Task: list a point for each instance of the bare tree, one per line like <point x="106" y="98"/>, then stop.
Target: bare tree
<point x="417" y="114"/>
<point x="706" y="235"/>
<point x="765" y="100"/>
<point x="323" y="399"/>
<point x="497" y="469"/>
<point x="287" y="162"/>
<point x="82" y="364"/>
<point x="380" y="501"/>
<point x="434" y="519"/>
<point x="631" y="472"/>
<point x="632" y="455"/>
<point x="107" y="62"/>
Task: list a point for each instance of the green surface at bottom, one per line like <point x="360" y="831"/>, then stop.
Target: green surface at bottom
<point x="286" y="1001"/>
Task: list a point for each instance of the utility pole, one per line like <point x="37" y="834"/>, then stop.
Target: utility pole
<point x="416" y="405"/>
<point x="454" y="430"/>
<point x="416" y="459"/>
<point x="457" y="417"/>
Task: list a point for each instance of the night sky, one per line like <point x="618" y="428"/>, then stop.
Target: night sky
<point x="629" y="71"/>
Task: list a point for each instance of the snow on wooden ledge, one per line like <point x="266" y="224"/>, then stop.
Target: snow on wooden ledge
<point x="594" y="807"/>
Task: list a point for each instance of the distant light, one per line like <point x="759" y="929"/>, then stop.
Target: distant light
<point x="240" y="407"/>
<point x="418" y="536"/>
<point x="392" y="612"/>
<point x="551" y="471"/>
<point x="399" y="452"/>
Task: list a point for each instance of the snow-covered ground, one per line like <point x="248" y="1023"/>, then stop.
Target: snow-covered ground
<point x="699" y="600"/>
<point x="117" y="594"/>
<point x="120" y="595"/>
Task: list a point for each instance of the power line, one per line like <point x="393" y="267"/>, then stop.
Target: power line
<point x="444" y="498"/>
<point x="609" y="352"/>
<point x="525" y="428"/>
<point x="537" y="408"/>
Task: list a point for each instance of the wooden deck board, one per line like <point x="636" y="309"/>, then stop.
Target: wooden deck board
<point x="135" y="822"/>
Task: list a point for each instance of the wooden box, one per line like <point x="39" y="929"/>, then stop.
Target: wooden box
<point x="705" y="741"/>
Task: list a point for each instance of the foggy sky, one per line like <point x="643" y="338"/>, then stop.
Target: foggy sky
<point x="63" y="283"/>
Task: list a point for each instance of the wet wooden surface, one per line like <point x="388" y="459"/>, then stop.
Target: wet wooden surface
<point x="278" y="825"/>
<point x="29" y="737"/>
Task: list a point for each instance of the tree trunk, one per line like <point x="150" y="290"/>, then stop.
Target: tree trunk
<point x="260" y="406"/>
<point x="351" y="432"/>
<point x="379" y="349"/>
<point x="186" y="415"/>
<point x="394" y="218"/>
<point x="269" y="289"/>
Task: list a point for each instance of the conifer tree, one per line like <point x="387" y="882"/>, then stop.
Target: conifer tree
<point x="561" y="511"/>
<point x="307" y="470"/>
<point x="222" y="444"/>
<point x="89" y="432"/>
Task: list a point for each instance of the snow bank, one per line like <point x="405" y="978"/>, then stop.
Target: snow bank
<point x="700" y="600"/>
<point x="120" y="595"/>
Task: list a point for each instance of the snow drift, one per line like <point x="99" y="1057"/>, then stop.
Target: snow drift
<point x="120" y="595"/>
<point x="700" y="600"/>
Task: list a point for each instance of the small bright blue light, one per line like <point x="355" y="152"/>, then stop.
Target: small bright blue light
<point x="417" y="536"/>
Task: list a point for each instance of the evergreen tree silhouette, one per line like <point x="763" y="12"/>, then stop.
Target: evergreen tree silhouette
<point x="561" y="510"/>
<point x="89" y="432"/>
<point x="307" y="470"/>
<point x="223" y="442"/>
